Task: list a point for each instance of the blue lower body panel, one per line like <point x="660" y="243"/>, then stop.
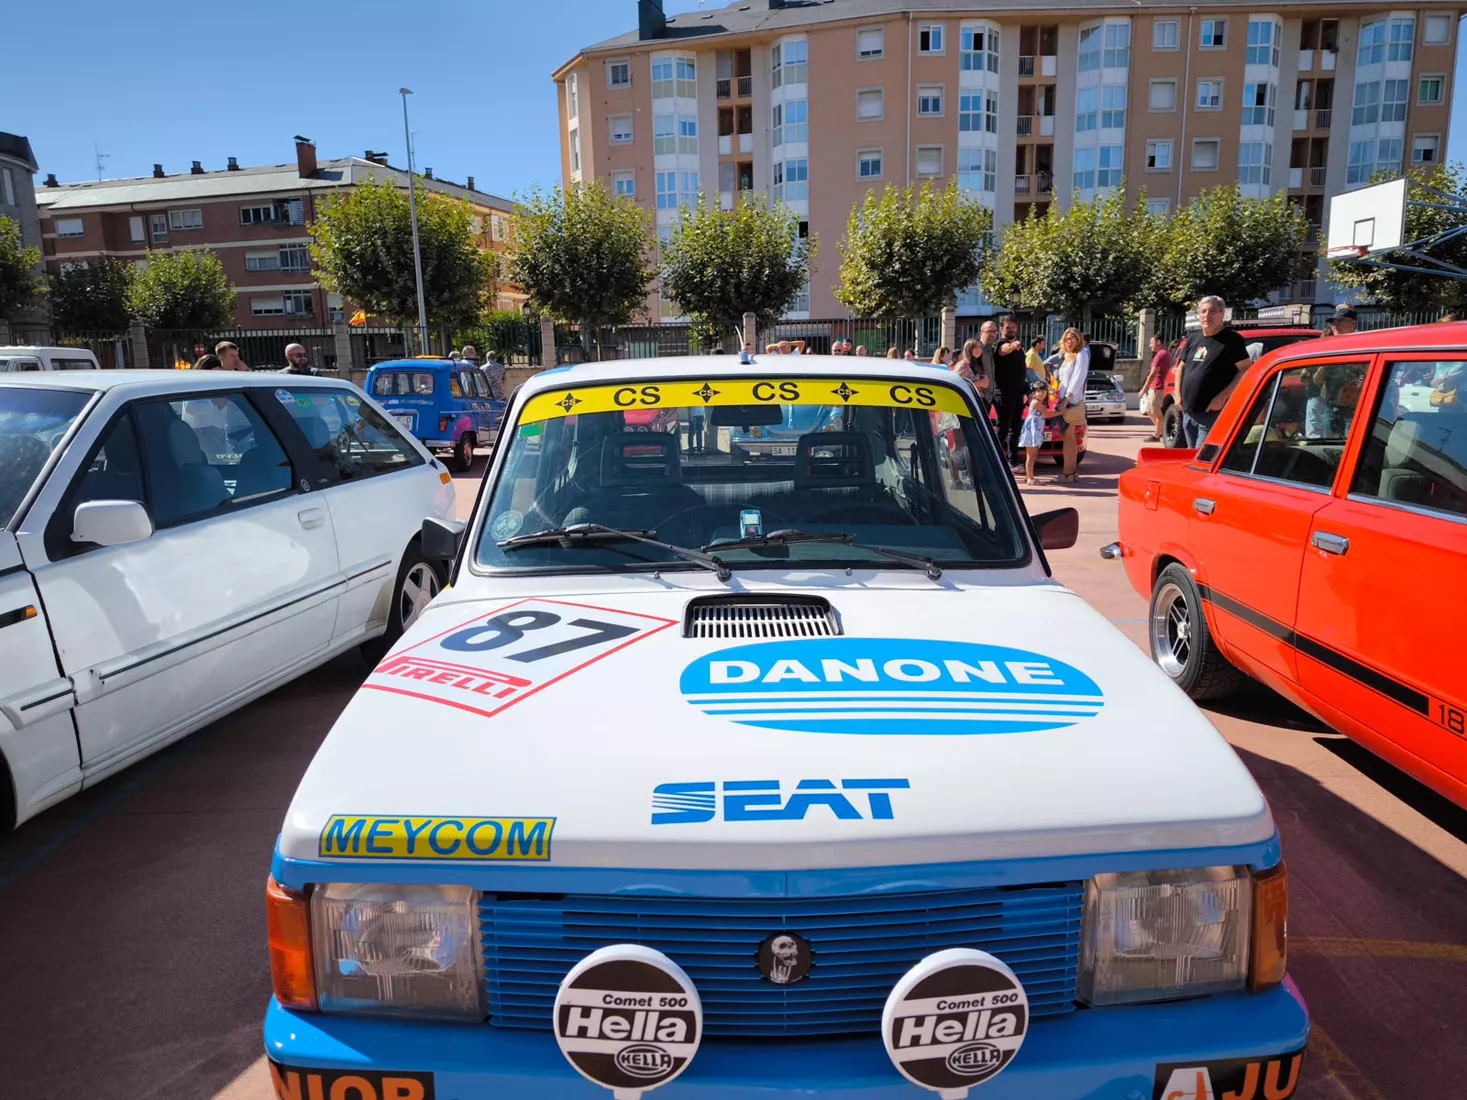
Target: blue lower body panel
<point x="1092" y="1054"/>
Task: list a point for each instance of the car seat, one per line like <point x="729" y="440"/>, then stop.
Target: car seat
<point x="835" y="460"/>
<point x="640" y="483"/>
<point x="189" y="485"/>
<point x="1423" y="464"/>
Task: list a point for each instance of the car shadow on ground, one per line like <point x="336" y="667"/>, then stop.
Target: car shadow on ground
<point x="1100" y="473"/>
<point x="1440" y="811"/>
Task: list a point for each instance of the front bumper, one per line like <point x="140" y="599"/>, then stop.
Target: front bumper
<point x="1094" y="1054"/>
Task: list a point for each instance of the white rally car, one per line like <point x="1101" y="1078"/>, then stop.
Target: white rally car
<point x="713" y="768"/>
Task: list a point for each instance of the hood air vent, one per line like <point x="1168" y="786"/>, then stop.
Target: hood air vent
<point x="759" y="617"/>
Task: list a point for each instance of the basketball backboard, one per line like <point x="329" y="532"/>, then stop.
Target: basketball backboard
<point x="1370" y="219"/>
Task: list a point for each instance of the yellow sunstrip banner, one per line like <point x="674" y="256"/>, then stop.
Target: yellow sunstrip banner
<point x="356" y="836"/>
<point x="744" y="391"/>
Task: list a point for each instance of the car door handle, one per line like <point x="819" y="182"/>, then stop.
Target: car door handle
<point x="312" y="518"/>
<point x="1204" y="506"/>
<point x="1330" y="544"/>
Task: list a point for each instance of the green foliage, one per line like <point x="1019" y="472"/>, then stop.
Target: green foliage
<point x="506" y="331"/>
<point x="581" y="255"/>
<point x="363" y="250"/>
<point x="1238" y="248"/>
<point x="1096" y="259"/>
<point x="1401" y="291"/>
<point x="92" y="298"/>
<point x="906" y="253"/>
<point x="187" y="291"/>
<point x="20" y="284"/>
<point x="722" y="264"/>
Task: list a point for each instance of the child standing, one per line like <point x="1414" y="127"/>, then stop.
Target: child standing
<point x="1031" y="435"/>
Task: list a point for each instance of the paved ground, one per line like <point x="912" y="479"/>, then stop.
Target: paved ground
<point x="132" y="923"/>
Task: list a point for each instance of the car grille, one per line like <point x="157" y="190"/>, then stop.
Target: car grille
<point x="861" y="945"/>
<point x="759" y="617"/>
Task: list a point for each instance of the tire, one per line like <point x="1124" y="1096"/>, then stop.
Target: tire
<point x="418" y="581"/>
<point x="1181" y="643"/>
<point x="1171" y="426"/>
<point x="463" y="453"/>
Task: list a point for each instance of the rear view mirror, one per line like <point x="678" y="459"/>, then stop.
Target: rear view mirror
<point x="745" y="416"/>
<point x="111" y="523"/>
<point x="441" y="538"/>
<point x="1057" y="530"/>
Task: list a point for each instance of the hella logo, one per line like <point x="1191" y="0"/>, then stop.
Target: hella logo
<point x="644" y="1061"/>
<point x="890" y="686"/>
<point x="974" y="1059"/>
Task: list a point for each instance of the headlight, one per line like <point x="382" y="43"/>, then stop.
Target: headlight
<point x="1158" y="935"/>
<point x="397" y="950"/>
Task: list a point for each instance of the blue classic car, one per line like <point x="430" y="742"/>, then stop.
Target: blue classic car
<point x="444" y="402"/>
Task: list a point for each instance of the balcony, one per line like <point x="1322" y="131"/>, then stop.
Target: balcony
<point x="1296" y="177"/>
<point x="1024" y="125"/>
<point x="1322" y="118"/>
<point x="746" y="143"/>
<point x="1304" y="290"/>
<point x="746" y="87"/>
<point x="725" y="145"/>
<point x="725" y="200"/>
<point x="1311" y="235"/>
<point x="1046" y="125"/>
<point x="1026" y="65"/>
<point x="1301" y="119"/>
<point x="1306" y="61"/>
<point x="724" y="87"/>
<point x="1041" y="182"/>
<point x="1317" y="176"/>
<point x="1327" y="60"/>
<point x="1048" y="64"/>
<point x="1022" y="185"/>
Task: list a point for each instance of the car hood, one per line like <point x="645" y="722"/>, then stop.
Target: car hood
<point x="945" y="724"/>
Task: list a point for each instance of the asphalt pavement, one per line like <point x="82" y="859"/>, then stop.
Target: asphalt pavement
<point x="132" y="916"/>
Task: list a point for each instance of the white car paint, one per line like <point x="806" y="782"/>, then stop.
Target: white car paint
<point x="585" y="740"/>
<point x="159" y="637"/>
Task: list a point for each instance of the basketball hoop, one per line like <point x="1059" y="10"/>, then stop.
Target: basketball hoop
<point x="1346" y="252"/>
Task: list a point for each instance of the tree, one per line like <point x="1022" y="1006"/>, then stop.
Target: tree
<point x="906" y="253"/>
<point x="1238" y="248"/>
<point x="1401" y="291"/>
<point x="722" y="264"/>
<point x="362" y="246"/>
<point x="581" y="256"/>
<point x="1095" y="259"/>
<point x="507" y="331"/>
<point x="20" y="284"/>
<point x="92" y="297"/>
<point x="184" y="291"/>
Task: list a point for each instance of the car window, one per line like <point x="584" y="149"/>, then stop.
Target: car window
<point x="72" y="364"/>
<point x="475" y="383"/>
<point x="391" y="384"/>
<point x="32" y="422"/>
<point x="1416" y="452"/>
<point x="352" y="439"/>
<point x="455" y="386"/>
<point x="1300" y="436"/>
<point x="115" y="471"/>
<point x="209" y="454"/>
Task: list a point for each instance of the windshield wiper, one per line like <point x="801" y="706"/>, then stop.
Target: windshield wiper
<point x="789" y="537"/>
<point x="581" y="534"/>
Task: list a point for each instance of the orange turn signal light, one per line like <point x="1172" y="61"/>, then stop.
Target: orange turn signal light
<point x="445" y="478"/>
<point x="288" y="918"/>
<point x="1270" y="928"/>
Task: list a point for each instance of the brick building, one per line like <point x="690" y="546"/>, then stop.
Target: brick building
<point x="17" y="202"/>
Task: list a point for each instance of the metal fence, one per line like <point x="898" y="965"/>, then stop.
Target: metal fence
<point x="1120" y="331"/>
<point x="877" y="337"/>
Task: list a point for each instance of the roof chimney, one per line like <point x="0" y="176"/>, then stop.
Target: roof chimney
<point x="305" y="156"/>
<point x="651" y="20"/>
<point x="427" y="173"/>
<point x="197" y="169"/>
<point x="375" y="158"/>
<point x="233" y="164"/>
<point x="470" y="184"/>
<point x="51" y="180"/>
<point x="157" y="171"/>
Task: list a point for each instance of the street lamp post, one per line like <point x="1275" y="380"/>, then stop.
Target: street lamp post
<point x="413" y="208"/>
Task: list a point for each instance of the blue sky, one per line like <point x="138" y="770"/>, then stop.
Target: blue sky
<point x="173" y="82"/>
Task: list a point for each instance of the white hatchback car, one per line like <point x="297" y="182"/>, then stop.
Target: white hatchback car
<point x="173" y="545"/>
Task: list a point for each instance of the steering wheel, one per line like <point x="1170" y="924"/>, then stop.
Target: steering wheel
<point x="862" y="513"/>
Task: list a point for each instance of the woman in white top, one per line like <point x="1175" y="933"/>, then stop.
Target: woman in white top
<point x="1074" y="369"/>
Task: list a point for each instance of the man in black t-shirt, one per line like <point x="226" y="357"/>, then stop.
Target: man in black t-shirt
<point x="1211" y="363"/>
<point x="1008" y="377"/>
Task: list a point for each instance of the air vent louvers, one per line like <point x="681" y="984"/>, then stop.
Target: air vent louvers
<point x="760" y="617"/>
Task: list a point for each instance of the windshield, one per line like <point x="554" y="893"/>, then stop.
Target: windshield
<point x="32" y="423"/>
<point x="900" y="465"/>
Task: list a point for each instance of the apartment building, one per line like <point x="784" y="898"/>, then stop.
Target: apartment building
<point x="17" y="201"/>
<point x="816" y="102"/>
<point x="255" y="219"/>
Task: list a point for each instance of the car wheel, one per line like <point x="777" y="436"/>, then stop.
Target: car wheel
<point x="463" y="453"/>
<point x="1181" y="643"/>
<point x="1171" y="426"/>
<point x="418" y="581"/>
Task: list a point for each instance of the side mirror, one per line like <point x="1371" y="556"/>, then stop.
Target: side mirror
<point x="111" y="523"/>
<point x="442" y="538"/>
<point x="1058" y="530"/>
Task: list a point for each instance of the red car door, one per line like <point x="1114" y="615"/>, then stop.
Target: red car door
<point x="1381" y="595"/>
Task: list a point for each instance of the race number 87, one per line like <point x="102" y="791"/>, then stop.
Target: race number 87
<point x="505" y="631"/>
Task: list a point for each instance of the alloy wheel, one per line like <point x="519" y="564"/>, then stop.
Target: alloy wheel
<point x="419" y="586"/>
<point x="1171" y="630"/>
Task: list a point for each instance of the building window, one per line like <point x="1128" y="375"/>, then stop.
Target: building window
<point x="621" y="129"/>
<point x="256" y="215"/>
<point x="262" y="261"/>
<point x="978" y="170"/>
<point x="575" y="150"/>
<point x="70" y="227"/>
<point x="158" y="228"/>
<point x="619" y="73"/>
<point x="1263" y="42"/>
<point x="1113" y="107"/>
<point x="1367" y="103"/>
<point x="664" y="134"/>
<point x="1403" y="39"/>
<point x="1361" y="162"/>
<point x="136" y="231"/>
<point x="687" y="78"/>
<point x="1110" y="166"/>
<point x="870" y="43"/>
<point x="666" y="190"/>
<point x="1158" y="156"/>
<point x="1438" y="31"/>
<point x="1254" y="162"/>
<point x="929" y="160"/>
<point x="1424" y="148"/>
<point x="1163" y="95"/>
<point x="868" y="164"/>
<point x="1204" y="154"/>
<point x="272" y="306"/>
<point x="1087" y="100"/>
<point x="791" y="121"/>
<point x="1430" y="90"/>
<point x="687" y="134"/>
<point x="791" y="180"/>
<point x="929" y="38"/>
<point x="1165" y="34"/>
<point x="929" y="100"/>
<point x="1372" y="43"/>
<point x="1117" y="46"/>
<point x="1158" y="208"/>
<point x="1084" y="169"/>
<point x="1209" y="95"/>
<point x="295" y="258"/>
<point x="624" y="184"/>
<point x="498" y="228"/>
<point x="572" y="97"/>
<point x="870" y="104"/>
<point x="1214" y="34"/>
<point x="662" y="84"/>
<point x="990" y="112"/>
<point x="1089" y="53"/>
<point x="185" y="219"/>
<point x="970" y="112"/>
<point x="1393" y="101"/>
<point x="979" y="49"/>
<point x="1388" y="156"/>
<point x="1258" y="104"/>
<point x="299" y="303"/>
<point x="790" y="63"/>
<point x="7" y="186"/>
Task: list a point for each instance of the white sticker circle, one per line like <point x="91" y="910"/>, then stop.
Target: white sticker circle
<point x="955" y="1020"/>
<point x="628" y="1018"/>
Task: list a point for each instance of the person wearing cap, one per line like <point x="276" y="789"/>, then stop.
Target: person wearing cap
<point x="1343" y="322"/>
